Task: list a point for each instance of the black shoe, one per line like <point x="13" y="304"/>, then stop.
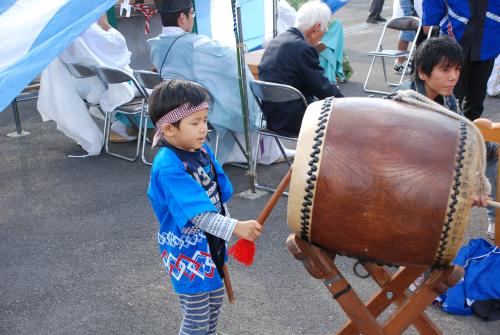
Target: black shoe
<point x="371" y="20"/>
<point x="380" y="19"/>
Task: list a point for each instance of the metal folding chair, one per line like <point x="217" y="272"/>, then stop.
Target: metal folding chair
<point x="272" y="92"/>
<point x="405" y="23"/>
<point x="147" y="80"/>
<point x="111" y="76"/>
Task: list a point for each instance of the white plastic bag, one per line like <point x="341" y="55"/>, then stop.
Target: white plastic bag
<point x="494" y="81"/>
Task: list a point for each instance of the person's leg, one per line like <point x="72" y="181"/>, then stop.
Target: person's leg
<point x="215" y="300"/>
<point x="405" y="37"/>
<point x="195" y="312"/>
<point x="462" y="83"/>
<point x="380" y="6"/>
<point x="402" y="46"/>
<point x="375" y="10"/>
<point x="473" y="101"/>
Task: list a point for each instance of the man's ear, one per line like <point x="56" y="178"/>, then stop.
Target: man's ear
<point x="181" y="19"/>
<point x="317" y="27"/>
<point x="422" y="75"/>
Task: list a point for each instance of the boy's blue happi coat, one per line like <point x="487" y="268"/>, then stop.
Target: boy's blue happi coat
<point x="176" y="197"/>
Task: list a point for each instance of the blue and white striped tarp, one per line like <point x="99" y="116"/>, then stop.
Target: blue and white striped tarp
<point x="34" y="32"/>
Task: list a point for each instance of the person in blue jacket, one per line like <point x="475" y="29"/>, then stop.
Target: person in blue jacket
<point x="476" y="26"/>
<point x="188" y="191"/>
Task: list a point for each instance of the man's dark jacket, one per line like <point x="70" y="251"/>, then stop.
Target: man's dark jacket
<point x="290" y="60"/>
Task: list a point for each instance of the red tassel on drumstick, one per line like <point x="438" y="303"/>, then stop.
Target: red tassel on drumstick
<point x="244" y="250"/>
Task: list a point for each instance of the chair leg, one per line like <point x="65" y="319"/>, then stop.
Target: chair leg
<point x="216" y="153"/>
<point x="254" y="169"/>
<point x="144" y="136"/>
<point x="238" y="143"/>
<point x="282" y="149"/>
<point x="385" y="72"/>
<point x="107" y="135"/>
<point x="365" y="86"/>
<point x="256" y="184"/>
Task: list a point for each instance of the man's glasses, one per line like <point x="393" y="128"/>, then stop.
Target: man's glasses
<point x="192" y="13"/>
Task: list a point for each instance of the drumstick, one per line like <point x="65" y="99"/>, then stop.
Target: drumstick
<point x="229" y="287"/>
<point x="244" y="250"/>
<point x="493" y="203"/>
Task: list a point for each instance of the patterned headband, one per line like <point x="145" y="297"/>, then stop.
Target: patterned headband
<point x="175" y="115"/>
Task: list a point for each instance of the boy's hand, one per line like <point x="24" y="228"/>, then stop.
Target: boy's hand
<point x="248" y="230"/>
<point x="480" y="201"/>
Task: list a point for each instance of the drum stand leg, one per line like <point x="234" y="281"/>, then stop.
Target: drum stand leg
<point x="320" y="264"/>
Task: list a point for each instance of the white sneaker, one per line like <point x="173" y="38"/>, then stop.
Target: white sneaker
<point x="121" y="129"/>
<point x="399" y="67"/>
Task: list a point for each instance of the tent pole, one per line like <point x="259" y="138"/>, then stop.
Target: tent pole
<point x="240" y="53"/>
<point x="19" y="130"/>
<point x="275" y="18"/>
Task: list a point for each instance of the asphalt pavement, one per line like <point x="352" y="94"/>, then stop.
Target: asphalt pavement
<point x="78" y="251"/>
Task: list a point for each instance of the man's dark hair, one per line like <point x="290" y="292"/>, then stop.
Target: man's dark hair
<point x="435" y="50"/>
<point x="171" y="94"/>
<point x="170" y="19"/>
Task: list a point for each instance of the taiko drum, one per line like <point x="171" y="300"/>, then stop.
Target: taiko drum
<point x="383" y="180"/>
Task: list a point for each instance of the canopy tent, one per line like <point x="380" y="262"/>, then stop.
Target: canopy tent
<point x="34" y="33"/>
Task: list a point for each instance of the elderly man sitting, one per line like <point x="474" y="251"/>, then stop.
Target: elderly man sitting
<point x="179" y="54"/>
<point x="291" y="59"/>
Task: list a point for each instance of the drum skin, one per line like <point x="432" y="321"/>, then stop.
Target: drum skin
<point x="382" y="180"/>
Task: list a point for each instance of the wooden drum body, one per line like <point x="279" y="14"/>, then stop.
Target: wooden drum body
<point x="382" y="180"/>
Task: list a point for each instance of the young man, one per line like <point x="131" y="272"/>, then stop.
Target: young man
<point x="438" y="62"/>
<point x="291" y="59"/>
<point x="475" y="25"/>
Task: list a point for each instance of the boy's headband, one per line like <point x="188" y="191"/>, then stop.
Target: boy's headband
<point x="175" y="115"/>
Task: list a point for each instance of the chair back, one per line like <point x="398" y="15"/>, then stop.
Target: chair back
<point x="147" y="79"/>
<point x="78" y="70"/>
<point x="110" y="75"/>
<point x="265" y="91"/>
<point x="404" y="23"/>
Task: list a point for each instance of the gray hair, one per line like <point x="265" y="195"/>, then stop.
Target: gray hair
<point x="312" y="12"/>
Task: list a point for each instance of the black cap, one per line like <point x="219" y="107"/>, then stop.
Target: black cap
<point x="172" y="6"/>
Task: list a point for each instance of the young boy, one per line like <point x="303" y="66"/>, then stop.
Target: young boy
<point x="437" y="64"/>
<point x="188" y="190"/>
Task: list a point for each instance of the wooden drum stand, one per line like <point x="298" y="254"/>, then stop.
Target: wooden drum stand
<point x="410" y="308"/>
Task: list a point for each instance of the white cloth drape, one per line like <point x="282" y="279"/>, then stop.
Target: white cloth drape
<point x="60" y="94"/>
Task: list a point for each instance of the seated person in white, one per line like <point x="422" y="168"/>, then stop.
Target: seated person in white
<point x="60" y="96"/>
<point x="179" y="54"/>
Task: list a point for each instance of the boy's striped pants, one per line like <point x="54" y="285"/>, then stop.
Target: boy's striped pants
<point x="200" y="312"/>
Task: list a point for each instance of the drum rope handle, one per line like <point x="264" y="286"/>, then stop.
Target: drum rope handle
<point x="419" y="100"/>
